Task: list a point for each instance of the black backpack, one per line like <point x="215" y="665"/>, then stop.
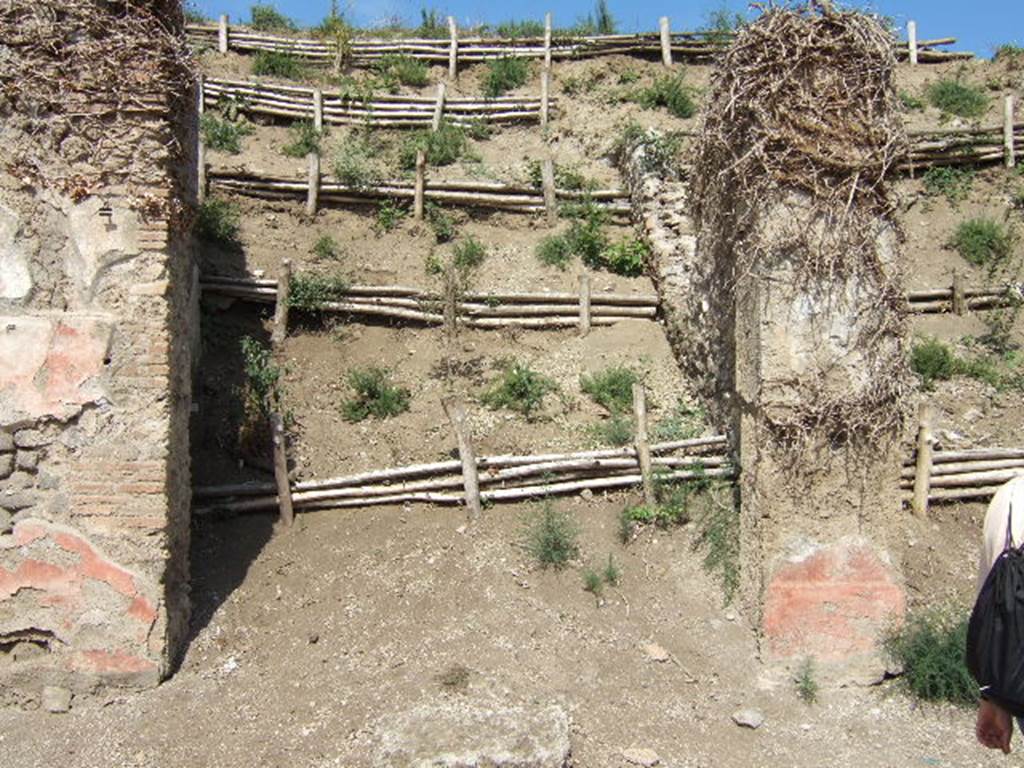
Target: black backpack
<point x="995" y="634"/>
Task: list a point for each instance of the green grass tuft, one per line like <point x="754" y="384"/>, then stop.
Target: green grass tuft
<point x="519" y="388"/>
<point x="806" y="685"/>
<point x="626" y="258"/>
<point x="326" y="248"/>
<point x="443" y="146"/>
<point x="983" y="242"/>
<point x="223" y="135"/>
<point x="394" y="70"/>
<point x="266" y="18"/>
<point x="389" y="215"/>
<point x="681" y="423"/>
<point x="611" y="574"/>
<point x="932" y="361"/>
<point x="555" y="251"/>
<point x="551" y="537"/>
<point x="616" y="431"/>
<point x="305" y="139"/>
<point x="513" y="30"/>
<point x="262" y="391"/>
<point x="592" y="582"/>
<point x="375" y="395"/>
<point x="670" y="92"/>
<point x="954" y="97"/>
<point x="611" y="388"/>
<point x="468" y="254"/>
<point x="309" y="292"/>
<point x="355" y="164"/>
<point x="930" y="647"/>
<point x="504" y="74"/>
<point x="277" y="64"/>
<point x="952" y="183"/>
<point x="442" y="222"/>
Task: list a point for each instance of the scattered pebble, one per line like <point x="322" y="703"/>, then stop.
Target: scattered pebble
<point x="655" y="652"/>
<point x="748" y="718"/>
<point x="641" y="756"/>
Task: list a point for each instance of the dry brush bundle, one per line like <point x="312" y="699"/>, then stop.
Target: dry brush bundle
<point x="80" y="79"/>
<point x="789" y="187"/>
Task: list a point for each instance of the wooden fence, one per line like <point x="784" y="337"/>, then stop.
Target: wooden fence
<point x="453" y="50"/>
<point x="960" y="299"/>
<point x="475" y="194"/>
<point x="966" y="146"/>
<point x="382" y="110"/>
<point x="541" y="310"/>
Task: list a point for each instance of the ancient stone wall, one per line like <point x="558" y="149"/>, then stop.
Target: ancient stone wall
<point x="96" y="319"/>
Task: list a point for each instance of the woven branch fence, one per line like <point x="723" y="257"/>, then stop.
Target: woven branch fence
<point x="959" y="299"/>
<point x="473" y="310"/>
<point x="474" y="194"/>
<point x="500" y="478"/>
<point x="966" y="146"/>
<point x="383" y="110"/>
<point x="686" y="46"/>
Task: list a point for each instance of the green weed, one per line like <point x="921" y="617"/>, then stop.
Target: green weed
<point x="432" y="24"/>
<point x="601" y="21"/>
<point x="806" y="685"/>
<point x="310" y="292"/>
<point x="617" y="431"/>
<point x="930" y="647"/>
<point x="611" y="388"/>
<point x="954" y="97"/>
<point x="504" y="74"/>
<point x="404" y="70"/>
<point x="661" y="151"/>
<point x="1010" y="53"/>
<point x="933" y="361"/>
<point x="566" y="177"/>
<point x="218" y="222"/>
<point x="555" y="251"/>
<point x="266" y="18"/>
<point x="375" y="395"/>
<point x="910" y="101"/>
<point x="983" y="242"/>
<point x="611" y="574"/>
<point x="443" y="146"/>
<point x="326" y="248"/>
<point x="519" y="388"/>
<point x="952" y="183"/>
<point x="681" y="423"/>
<point x="627" y="257"/>
<point x="389" y="215"/>
<point x="468" y="254"/>
<point x="718" y="523"/>
<point x="670" y="92"/>
<point x="592" y="582"/>
<point x="223" y="135"/>
<point x="722" y="24"/>
<point x="305" y="139"/>
<point x="440" y="221"/>
<point x="277" y="64"/>
<point x="551" y="537"/>
<point x="355" y="164"/>
<point x="513" y="30"/>
<point x="262" y="389"/>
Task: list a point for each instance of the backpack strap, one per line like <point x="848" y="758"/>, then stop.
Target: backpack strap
<point x="1009" y="529"/>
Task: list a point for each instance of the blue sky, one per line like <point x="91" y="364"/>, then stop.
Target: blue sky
<point x="979" y="26"/>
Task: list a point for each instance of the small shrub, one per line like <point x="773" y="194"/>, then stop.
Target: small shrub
<point x="952" y="183"/>
<point x="262" y="392"/>
<point x="566" y="177"/>
<point x="955" y="97"/>
<point x="555" y="251"/>
<point x="806" y="685"/>
<point x="550" y="537"/>
<point x="602" y="20"/>
<point x="310" y="292"/>
<point x="432" y="25"/>
<point x="1017" y="199"/>
<point x="440" y="221"/>
<point x="615" y="431"/>
<point x="326" y="248"/>
<point x="932" y="361"/>
<point x="389" y="215"/>
<point x="266" y="18"/>
<point x="670" y="92"/>
<point x="592" y="582"/>
<point x="404" y="70"/>
<point x="628" y="77"/>
<point x="910" y="101"/>
<point x="982" y="242"/>
<point x="468" y="254"/>
<point x="443" y="146"/>
<point x="611" y="388"/>
<point x="519" y="388"/>
<point x="930" y="647"/>
<point x="375" y="395"/>
<point x="670" y="508"/>
<point x="611" y="574"/>
<point x="718" y="523"/>
<point x="626" y="258"/>
<point x="477" y="129"/>
<point x="722" y="24"/>
<point x="218" y="222"/>
<point x="504" y="74"/>
<point x="277" y="64"/>
<point x="305" y="139"/>
<point x="223" y="135"/>
<point x="587" y="239"/>
<point x="1010" y="53"/>
<point x="354" y="164"/>
<point x="513" y="30"/>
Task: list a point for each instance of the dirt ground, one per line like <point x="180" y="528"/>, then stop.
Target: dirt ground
<point x="305" y="641"/>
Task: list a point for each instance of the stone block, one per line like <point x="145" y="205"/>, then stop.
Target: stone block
<point x="6" y="465"/>
<point x="15" y="277"/>
<point x="831" y="603"/>
<point x="6" y="442"/>
<point x="31" y="438"/>
<point x="52" y="367"/>
<point x="56" y="700"/>
<point x="28" y="461"/>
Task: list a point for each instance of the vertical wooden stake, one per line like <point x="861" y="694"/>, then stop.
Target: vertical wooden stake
<point x="959" y="299"/>
<point x="222" y="34"/>
<point x="284" y="491"/>
<point x="584" y="304"/>
<point x="545" y="95"/>
<point x="284" y="284"/>
<point x="421" y="183"/>
<point x="456" y="413"/>
<point x="318" y="109"/>
<point x="666" y="41"/>
<point x="923" y="469"/>
<point x="313" y="191"/>
<point x="438" y="108"/>
<point x="912" y="40"/>
<point x="1008" y="148"/>
<point x="643" y="448"/>
<point x="547" y="41"/>
<point x="453" y="51"/>
<point x="200" y="144"/>
<point x="550" y="200"/>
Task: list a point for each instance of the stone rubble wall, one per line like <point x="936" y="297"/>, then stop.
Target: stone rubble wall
<point x="98" y="321"/>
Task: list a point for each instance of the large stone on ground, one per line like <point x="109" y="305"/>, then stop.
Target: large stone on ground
<point x="831" y="603"/>
<point x="462" y="734"/>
